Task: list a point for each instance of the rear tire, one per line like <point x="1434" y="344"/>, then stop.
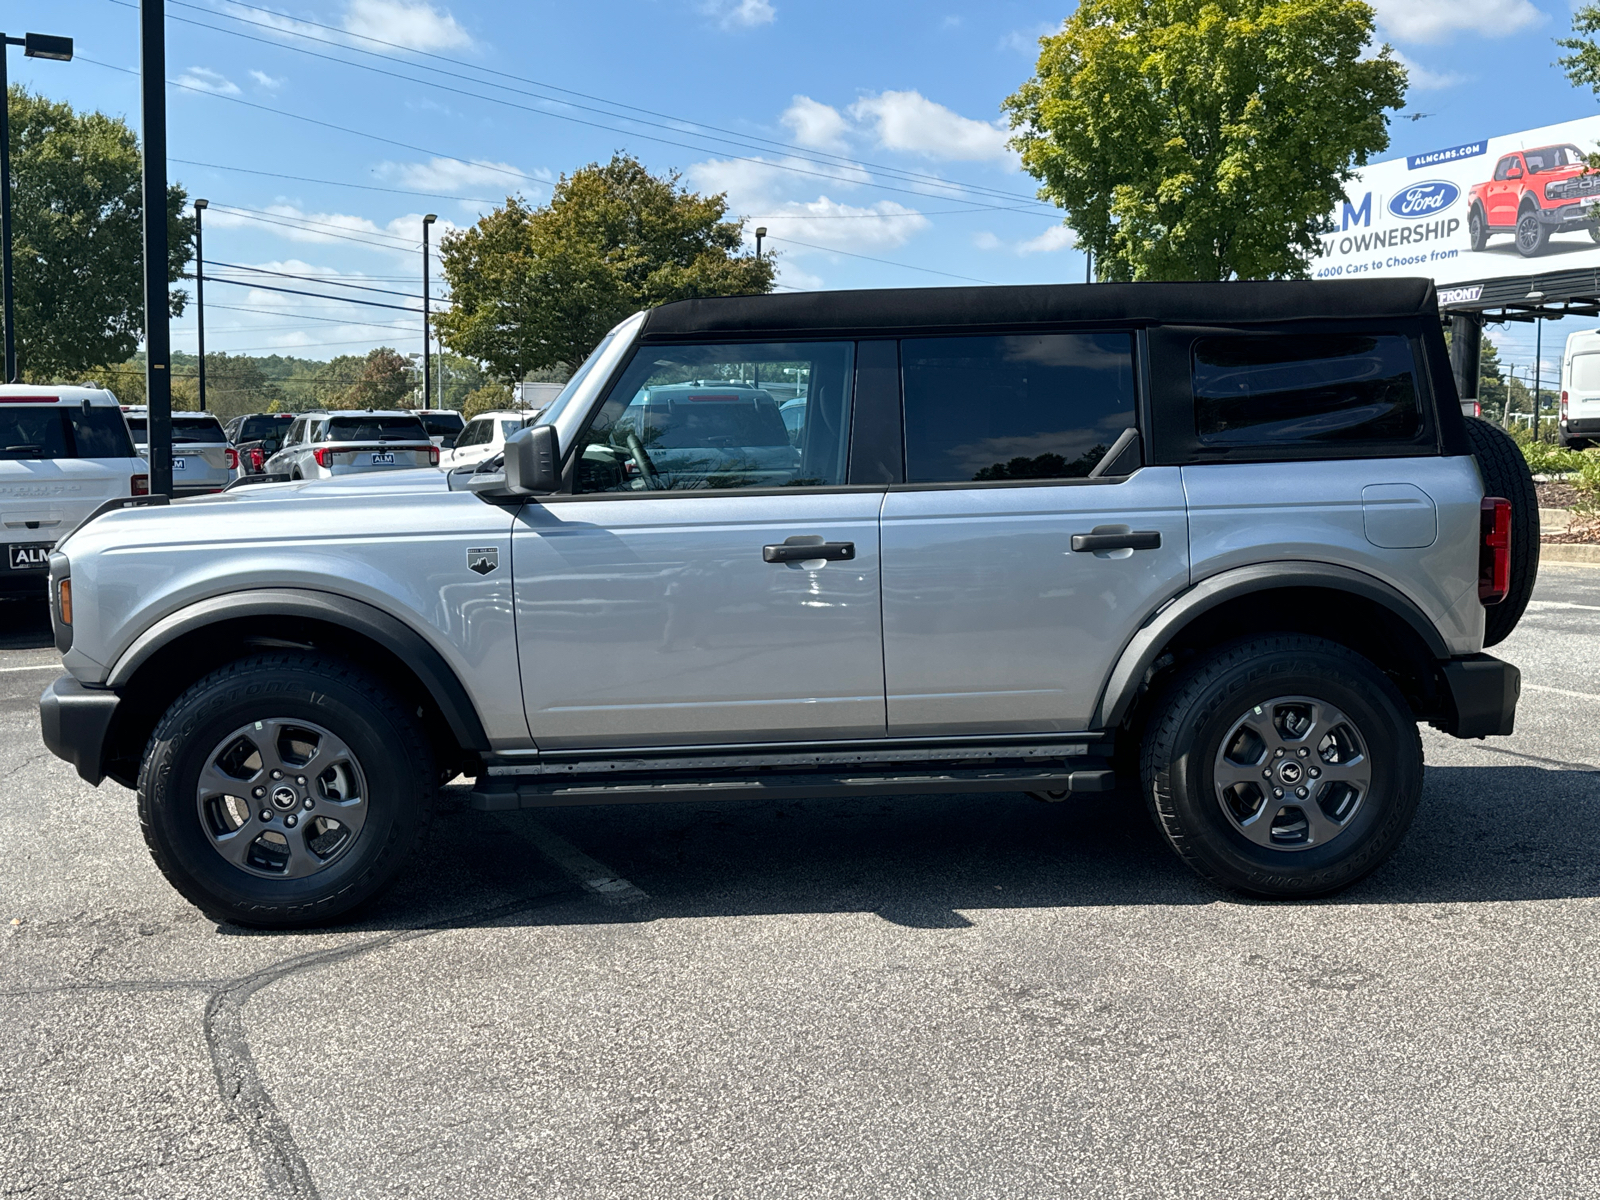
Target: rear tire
<point x="1477" y="228"/>
<point x="1505" y="473"/>
<point x="1233" y="722"/>
<point x="332" y="776"/>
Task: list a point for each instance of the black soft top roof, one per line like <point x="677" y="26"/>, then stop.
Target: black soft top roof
<point x="895" y="310"/>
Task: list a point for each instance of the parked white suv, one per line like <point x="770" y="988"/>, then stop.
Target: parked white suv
<point x="485" y="437"/>
<point x="64" y="452"/>
<point x="324" y="445"/>
<point x="1226" y="543"/>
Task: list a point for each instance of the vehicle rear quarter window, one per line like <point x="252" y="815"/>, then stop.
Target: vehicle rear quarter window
<point x="1288" y="389"/>
<point x="197" y="429"/>
<point x="1024" y="406"/>
<point x="49" y="433"/>
<point x="441" y="424"/>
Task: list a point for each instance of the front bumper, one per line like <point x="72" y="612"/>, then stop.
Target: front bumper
<point x="1482" y="691"/>
<point x="74" y="721"/>
<point x="1573" y="214"/>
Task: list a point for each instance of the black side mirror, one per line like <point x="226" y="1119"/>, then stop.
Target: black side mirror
<point x="533" y="461"/>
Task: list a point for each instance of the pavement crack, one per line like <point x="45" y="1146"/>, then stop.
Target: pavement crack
<point x="239" y="1083"/>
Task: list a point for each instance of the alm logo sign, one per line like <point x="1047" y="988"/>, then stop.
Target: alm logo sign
<point x="1424" y="199"/>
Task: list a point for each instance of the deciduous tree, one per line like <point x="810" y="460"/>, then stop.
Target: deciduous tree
<point x="539" y="287"/>
<point x="1204" y="139"/>
<point x="78" y="239"/>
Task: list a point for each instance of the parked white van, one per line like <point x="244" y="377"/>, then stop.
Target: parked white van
<point x="64" y="451"/>
<point x="1580" y="390"/>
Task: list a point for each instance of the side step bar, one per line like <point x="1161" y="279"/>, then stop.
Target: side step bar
<point x="500" y="793"/>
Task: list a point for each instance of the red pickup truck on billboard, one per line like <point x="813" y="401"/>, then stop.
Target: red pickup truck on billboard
<point x="1534" y="193"/>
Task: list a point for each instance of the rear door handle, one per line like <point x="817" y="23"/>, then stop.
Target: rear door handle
<point x="805" y="551"/>
<point x="1148" y="539"/>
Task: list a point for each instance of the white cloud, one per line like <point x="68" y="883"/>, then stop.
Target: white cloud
<point x="1421" y="79"/>
<point x="1057" y="237"/>
<point x="819" y="126"/>
<point x="266" y="81"/>
<point x="1026" y="41"/>
<point x="415" y="25"/>
<point x="295" y="224"/>
<point x="1434" y="20"/>
<point x="204" y="79"/>
<point x="911" y="123"/>
<point x="745" y="14"/>
<point x="449" y="177"/>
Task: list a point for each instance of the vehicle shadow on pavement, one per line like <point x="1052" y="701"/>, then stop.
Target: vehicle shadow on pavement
<point x="25" y="624"/>
<point x="1481" y="834"/>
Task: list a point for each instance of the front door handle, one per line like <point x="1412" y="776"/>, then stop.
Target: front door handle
<point x="806" y="551"/>
<point x="1148" y="539"/>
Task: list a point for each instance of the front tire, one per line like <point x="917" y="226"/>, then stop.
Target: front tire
<point x="1533" y="235"/>
<point x="285" y="789"/>
<point x="1283" y="766"/>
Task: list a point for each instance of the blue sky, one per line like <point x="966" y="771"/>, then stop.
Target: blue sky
<point x="855" y="132"/>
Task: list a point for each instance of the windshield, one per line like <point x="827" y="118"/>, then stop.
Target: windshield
<point x="256" y="428"/>
<point x="45" y="433"/>
<point x="379" y="429"/>
<point x="1551" y="157"/>
<point x="580" y="386"/>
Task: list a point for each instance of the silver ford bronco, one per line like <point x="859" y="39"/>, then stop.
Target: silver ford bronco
<point x="1229" y="543"/>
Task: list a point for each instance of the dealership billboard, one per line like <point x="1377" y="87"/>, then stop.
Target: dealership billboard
<point x="1518" y="205"/>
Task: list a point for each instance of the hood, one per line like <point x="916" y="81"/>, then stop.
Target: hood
<point x="404" y="482"/>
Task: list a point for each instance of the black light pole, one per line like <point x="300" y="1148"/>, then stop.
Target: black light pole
<point x="157" y="333"/>
<point x="427" y="364"/>
<point x="761" y="232"/>
<point x="34" y="45"/>
<point x="200" y="293"/>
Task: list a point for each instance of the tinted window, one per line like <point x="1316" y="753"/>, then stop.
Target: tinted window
<point x="441" y="424"/>
<point x="381" y="429"/>
<point x="139" y="427"/>
<point x="689" y="417"/>
<point x="1036" y="406"/>
<point x="1503" y="170"/>
<point x="44" y="433"/>
<point x="1282" y="390"/>
<point x="1552" y="157"/>
<point x="197" y="429"/>
<point x="476" y="433"/>
<point x="254" y="429"/>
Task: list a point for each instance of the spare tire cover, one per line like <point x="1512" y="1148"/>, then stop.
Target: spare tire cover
<point x="1505" y="473"/>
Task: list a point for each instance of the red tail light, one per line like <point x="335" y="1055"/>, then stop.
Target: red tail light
<point x="433" y="456"/>
<point x="233" y="458"/>
<point x="257" y="458"/>
<point x="139" y="485"/>
<point x="1494" y="553"/>
<point x="321" y="454"/>
<point x="1563" y="406"/>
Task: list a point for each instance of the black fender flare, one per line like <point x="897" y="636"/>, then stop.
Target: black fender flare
<point x="409" y="646"/>
<point x="1126" y="677"/>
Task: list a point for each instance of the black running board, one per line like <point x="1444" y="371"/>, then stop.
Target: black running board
<point x="503" y="793"/>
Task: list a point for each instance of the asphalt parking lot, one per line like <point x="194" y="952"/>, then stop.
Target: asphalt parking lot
<point x="975" y="996"/>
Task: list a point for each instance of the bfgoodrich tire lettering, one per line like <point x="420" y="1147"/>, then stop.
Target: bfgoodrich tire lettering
<point x="1200" y="709"/>
<point x="380" y="743"/>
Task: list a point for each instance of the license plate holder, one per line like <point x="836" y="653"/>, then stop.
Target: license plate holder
<point x="383" y="459"/>
<point x="29" y="556"/>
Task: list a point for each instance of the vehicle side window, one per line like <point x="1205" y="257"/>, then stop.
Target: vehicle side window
<point x="476" y="433"/>
<point x="296" y="432"/>
<point x="1027" y="406"/>
<point x="1282" y="389"/>
<point x="686" y="418"/>
<point x="1503" y="168"/>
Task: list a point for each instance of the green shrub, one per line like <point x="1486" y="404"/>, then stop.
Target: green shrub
<point x="1548" y="458"/>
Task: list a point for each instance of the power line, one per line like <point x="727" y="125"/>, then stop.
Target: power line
<point x="322" y="229"/>
<point x="323" y="279"/>
<point x="886" y="262"/>
<point x="300" y="314"/>
<point x="745" y="140"/>
<point x="267" y="287"/>
<point x="365" y="187"/>
<point x="834" y="176"/>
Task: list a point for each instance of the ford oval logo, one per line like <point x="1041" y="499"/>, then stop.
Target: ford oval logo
<point x="1423" y="199"/>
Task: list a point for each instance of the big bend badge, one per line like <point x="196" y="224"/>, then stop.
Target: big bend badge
<point x="483" y="559"/>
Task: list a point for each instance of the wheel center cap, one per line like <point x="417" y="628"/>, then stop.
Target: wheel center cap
<point x="284" y="797"/>
<point x="1291" y="773"/>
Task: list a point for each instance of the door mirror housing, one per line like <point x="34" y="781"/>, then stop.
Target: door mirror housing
<point x="532" y="466"/>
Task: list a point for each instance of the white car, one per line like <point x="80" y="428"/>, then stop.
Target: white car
<point x="485" y="436"/>
<point x="64" y="451"/>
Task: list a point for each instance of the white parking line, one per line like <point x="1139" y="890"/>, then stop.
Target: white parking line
<point x="1539" y="687"/>
<point x="55" y="666"/>
<point x="597" y="877"/>
<point x="1546" y="605"/>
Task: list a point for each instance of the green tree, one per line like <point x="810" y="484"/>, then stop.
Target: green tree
<point x="385" y="382"/>
<point x="1583" y="64"/>
<point x="1204" y="139"/>
<point x="1491" y="381"/>
<point x="77" y="237"/>
<point x="535" y="288"/>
